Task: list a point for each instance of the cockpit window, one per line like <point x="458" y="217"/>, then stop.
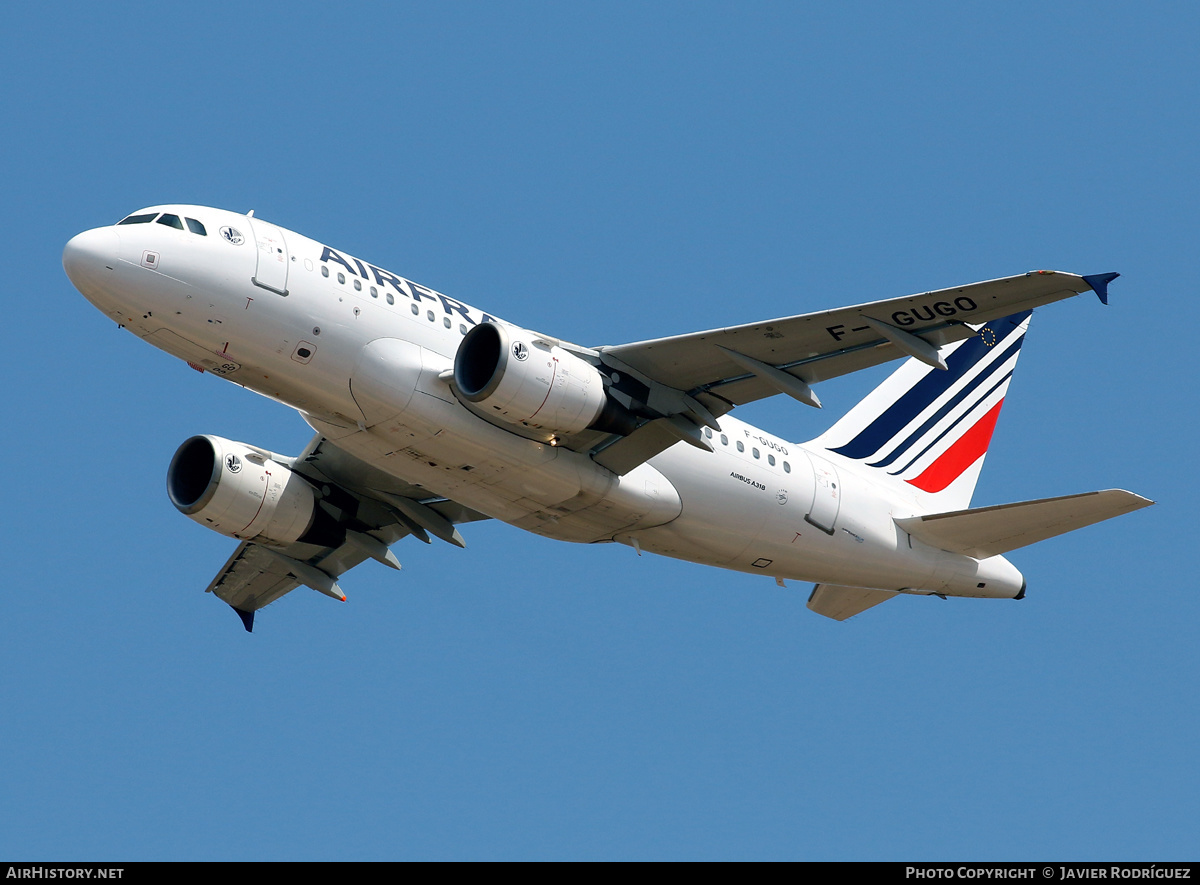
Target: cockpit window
<point x="196" y="227"/>
<point x="171" y="221"/>
<point x="139" y="219"/>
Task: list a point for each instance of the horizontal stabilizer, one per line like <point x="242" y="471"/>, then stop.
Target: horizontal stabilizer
<point x="840" y="603"/>
<point x="990" y="531"/>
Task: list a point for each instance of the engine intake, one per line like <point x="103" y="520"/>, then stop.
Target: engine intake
<point x="515" y="377"/>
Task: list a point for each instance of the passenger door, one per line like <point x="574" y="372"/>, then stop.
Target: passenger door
<point x="272" y="271"/>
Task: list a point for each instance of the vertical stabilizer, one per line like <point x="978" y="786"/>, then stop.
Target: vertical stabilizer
<point x="926" y="430"/>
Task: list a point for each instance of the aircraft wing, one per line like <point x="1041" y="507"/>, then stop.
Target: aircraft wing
<point x="687" y="381"/>
<point x="375" y="510"/>
<point x="817" y="346"/>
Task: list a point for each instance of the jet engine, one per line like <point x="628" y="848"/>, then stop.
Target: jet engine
<point x="241" y="492"/>
<point x="514" y="376"/>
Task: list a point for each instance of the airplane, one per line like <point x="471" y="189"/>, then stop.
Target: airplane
<point x="430" y="413"/>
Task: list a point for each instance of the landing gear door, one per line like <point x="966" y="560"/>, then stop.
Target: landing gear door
<point x="272" y="271"/>
<point x="827" y="495"/>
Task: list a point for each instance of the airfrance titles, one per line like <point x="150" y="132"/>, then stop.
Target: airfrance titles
<point x="407" y="288"/>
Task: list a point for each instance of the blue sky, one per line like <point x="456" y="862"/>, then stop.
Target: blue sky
<point x="606" y="174"/>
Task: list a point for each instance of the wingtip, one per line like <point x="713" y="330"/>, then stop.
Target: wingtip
<point x="1099" y="283"/>
<point x="247" y="619"/>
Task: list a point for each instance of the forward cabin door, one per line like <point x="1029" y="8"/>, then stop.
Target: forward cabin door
<point x="272" y="272"/>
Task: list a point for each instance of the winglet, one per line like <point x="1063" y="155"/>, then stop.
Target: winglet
<point x="1099" y="283"/>
<point x="247" y="619"/>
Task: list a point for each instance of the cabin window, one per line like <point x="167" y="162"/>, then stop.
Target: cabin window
<point x="416" y="310"/>
<point x="358" y="285"/>
<point x="389" y="297"/>
<point x="374" y="292"/>
<point x="724" y="440"/>
<point x="741" y="448"/>
<point x="462" y="328"/>
<point x="755" y="451"/>
<point x="429" y="315"/>
<point x="771" y="460"/>
<point x="171" y="221"/>
<point x="139" y="219"/>
<point x="324" y="271"/>
<point x="446" y="322"/>
<point x="196" y="227"/>
<point x="341" y="277"/>
<point x="787" y="468"/>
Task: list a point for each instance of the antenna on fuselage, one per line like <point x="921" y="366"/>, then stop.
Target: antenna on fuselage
<point x="250" y="214"/>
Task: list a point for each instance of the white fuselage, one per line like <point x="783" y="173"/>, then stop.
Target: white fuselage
<point x="364" y="355"/>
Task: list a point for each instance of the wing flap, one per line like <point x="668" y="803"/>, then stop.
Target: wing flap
<point x="840" y="603"/>
<point x="990" y="531"/>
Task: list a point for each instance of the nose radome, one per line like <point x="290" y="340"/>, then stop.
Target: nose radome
<point x="86" y="254"/>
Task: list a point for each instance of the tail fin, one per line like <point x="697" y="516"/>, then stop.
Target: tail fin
<point x="928" y="429"/>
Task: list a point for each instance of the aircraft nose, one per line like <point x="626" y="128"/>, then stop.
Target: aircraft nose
<point x="86" y="256"/>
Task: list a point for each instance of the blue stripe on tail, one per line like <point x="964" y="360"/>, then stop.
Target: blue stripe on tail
<point x="925" y="392"/>
<point x="917" y="457"/>
<point x="937" y="416"/>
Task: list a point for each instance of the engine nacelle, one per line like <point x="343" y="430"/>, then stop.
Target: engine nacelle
<point x="515" y="377"/>
<point x="240" y="492"/>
